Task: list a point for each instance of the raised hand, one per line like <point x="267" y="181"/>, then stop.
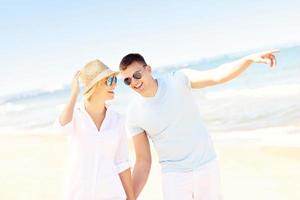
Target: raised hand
<point x="75" y="89"/>
<point x="266" y="57"/>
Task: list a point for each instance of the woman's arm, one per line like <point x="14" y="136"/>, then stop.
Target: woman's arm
<point x="67" y="114"/>
<point x="122" y="163"/>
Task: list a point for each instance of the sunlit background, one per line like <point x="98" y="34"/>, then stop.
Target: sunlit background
<point x="43" y="43"/>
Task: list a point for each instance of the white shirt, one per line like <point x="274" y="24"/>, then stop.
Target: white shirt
<point x="96" y="156"/>
<point x="172" y="121"/>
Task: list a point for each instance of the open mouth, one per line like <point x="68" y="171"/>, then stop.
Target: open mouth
<point x="138" y="86"/>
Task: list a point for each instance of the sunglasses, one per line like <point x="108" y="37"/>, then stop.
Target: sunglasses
<point x="111" y="80"/>
<point x="136" y="75"/>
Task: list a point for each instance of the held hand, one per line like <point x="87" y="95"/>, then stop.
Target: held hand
<point x="266" y="57"/>
<point x="75" y="90"/>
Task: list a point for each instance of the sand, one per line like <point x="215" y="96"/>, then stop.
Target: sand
<point x="32" y="168"/>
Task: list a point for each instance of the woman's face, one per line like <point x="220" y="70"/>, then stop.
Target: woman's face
<point x="105" y="88"/>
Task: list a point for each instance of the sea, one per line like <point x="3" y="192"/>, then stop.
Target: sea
<point x="262" y="98"/>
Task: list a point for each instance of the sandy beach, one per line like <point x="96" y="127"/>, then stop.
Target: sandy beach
<point x="32" y="168"/>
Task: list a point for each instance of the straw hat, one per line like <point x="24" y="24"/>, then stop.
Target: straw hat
<point x="93" y="72"/>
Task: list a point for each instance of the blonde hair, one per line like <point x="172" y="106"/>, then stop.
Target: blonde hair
<point x="87" y="96"/>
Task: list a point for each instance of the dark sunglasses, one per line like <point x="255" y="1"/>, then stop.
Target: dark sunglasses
<point x="136" y="75"/>
<point x="111" y="80"/>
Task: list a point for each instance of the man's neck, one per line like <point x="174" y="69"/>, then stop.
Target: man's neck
<point x="152" y="88"/>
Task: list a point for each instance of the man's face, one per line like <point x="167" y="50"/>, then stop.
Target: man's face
<point x="138" y="75"/>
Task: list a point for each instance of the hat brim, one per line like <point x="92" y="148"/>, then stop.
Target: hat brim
<point x="98" y="78"/>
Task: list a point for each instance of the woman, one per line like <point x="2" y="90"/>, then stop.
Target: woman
<point x="99" y="167"/>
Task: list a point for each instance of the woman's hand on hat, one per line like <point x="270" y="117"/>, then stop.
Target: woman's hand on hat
<point x="75" y="89"/>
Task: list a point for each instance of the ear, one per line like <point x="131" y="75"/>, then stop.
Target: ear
<point x="148" y="68"/>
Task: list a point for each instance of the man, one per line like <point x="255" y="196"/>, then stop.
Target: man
<point x="166" y="112"/>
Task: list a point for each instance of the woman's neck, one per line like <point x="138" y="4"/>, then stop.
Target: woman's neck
<point x="95" y="107"/>
<point x="96" y="111"/>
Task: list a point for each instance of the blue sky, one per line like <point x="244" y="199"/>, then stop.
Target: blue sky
<point x="43" y="42"/>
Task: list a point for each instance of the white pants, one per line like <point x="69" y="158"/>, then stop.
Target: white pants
<point x="201" y="184"/>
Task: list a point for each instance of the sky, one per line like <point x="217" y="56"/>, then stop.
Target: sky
<point x="44" y="42"/>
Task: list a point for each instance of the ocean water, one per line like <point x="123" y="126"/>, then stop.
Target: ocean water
<point x="262" y="97"/>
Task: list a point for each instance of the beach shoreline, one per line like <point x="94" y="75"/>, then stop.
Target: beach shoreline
<point x="32" y="167"/>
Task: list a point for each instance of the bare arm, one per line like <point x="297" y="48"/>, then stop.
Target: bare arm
<point x="229" y="71"/>
<point x="67" y="114"/>
<point x="126" y="180"/>
<point x="143" y="162"/>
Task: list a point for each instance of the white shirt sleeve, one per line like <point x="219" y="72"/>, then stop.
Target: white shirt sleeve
<point x="181" y="77"/>
<point x="122" y="153"/>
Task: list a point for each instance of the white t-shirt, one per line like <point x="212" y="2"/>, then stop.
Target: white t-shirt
<point x="172" y="121"/>
<point x="96" y="156"/>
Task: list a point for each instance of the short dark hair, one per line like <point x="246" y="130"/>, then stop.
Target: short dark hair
<point x="131" y="58"/>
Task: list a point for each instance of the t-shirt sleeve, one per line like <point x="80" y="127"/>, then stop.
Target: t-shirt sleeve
<point x="133" y="129"/>
<point x="131" y="125"/>
<point x="180" y="77"/>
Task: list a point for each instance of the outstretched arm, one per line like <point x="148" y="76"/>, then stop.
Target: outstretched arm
<point x="229" y="71"/>
<point x="67" y="114"/>
<point x="142" y="164"/>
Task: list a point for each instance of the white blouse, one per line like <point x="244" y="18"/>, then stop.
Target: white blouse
<point x="96" y="156"/>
